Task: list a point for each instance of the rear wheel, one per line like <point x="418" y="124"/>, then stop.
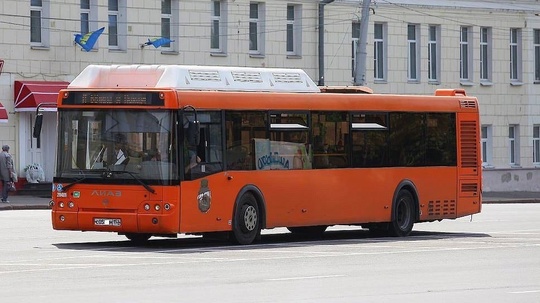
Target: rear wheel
<point x="246" y="223"/>
<point x="402" y="224"/>
<point x="138" y="239"/>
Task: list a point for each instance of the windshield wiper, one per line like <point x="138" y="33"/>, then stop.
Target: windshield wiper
<point x="81" y="172"/>
<point x="73" y="183"/>
<point x="109" y="174"/>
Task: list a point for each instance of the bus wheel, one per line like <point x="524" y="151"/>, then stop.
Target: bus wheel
<point x="308" y="230"/>
<point x="138" y="239"/>
<point x="402" y="224"/>
<point x="246" y="226"/>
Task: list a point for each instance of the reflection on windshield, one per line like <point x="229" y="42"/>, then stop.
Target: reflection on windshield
<point x="139" y="142"/>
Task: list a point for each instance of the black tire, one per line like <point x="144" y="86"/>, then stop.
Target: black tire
<point x="308" y="230"/>
<point x="403" y="218"/>
<point x="246" y="221"/>
<point x="138" y="239"/>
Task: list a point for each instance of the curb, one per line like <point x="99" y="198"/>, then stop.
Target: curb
<point x="22" y="207"/>
<point x="512" y="201"/>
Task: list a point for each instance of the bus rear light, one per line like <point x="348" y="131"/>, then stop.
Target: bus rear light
<point x="167" y="206"/>
<point x="147" y="207"/>
<point x="62" y="218"/>
<point x="157" y="207"/>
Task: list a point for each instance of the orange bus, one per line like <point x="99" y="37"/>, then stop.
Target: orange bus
<point x="162" y="150"/>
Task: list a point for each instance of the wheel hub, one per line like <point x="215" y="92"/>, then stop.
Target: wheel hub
<point x="250" y="218"/>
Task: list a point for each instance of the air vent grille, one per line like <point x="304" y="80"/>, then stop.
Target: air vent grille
<point x="467" y="104"/>
<point x="252" y="77"/>
<point x="199" y="75"/>
<point x="469" y="145"/>
<point x="287" y="77"/>
<point x="469" y="187"/>
<point x="442" y="208"/>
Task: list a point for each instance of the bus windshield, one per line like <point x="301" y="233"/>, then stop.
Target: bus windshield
<point x="113" y="144"/>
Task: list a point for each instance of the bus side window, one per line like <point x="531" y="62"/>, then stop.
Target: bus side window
<point x="241" y="128"/>
<point x="370" y="140"/>
<point x="330" y="139"/>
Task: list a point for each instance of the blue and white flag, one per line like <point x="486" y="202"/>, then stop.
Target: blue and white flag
<point x="157" y="42"/>
<point x="88" y="41"/>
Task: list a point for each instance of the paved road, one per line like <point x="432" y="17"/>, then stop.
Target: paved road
<point x="493" y="258"/>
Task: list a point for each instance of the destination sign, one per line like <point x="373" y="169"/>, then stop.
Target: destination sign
<point x="114" y="98"/>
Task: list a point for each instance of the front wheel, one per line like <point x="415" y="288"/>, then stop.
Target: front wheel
<point x="246" y="222"/>
<point x="403" y="219"/>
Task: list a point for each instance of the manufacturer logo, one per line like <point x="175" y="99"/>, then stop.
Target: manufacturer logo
<point x="204" y="197"/>
<point x="106" y="193"/>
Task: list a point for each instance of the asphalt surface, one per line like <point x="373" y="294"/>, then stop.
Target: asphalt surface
<point x="18" y="202"/>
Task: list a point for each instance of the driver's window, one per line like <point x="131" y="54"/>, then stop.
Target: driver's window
<point x="206" y="157"/>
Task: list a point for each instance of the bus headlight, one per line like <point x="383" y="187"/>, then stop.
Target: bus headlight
<point x="167" y="206"/>
<point x="71" y="204"/>
<point x="147" y="207"/>
<point x="61" y="204"/>
<point x="157" y="207"/>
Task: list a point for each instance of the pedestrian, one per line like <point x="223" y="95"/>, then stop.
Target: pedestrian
<point x="6" y="172"/>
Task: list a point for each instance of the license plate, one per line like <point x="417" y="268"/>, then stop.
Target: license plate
<point x="109" y="222"/>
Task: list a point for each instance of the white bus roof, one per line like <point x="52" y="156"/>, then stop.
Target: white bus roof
<point x="186" y="77"/>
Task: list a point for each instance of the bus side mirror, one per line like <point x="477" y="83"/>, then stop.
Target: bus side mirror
<point x="193" y="133"/>
<point x="37" y="126"/>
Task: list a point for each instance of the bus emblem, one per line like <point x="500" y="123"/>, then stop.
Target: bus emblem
<point x="204" y="197"/>
<point x="106" y="193"/>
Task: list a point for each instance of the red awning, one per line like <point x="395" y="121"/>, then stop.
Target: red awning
<point x="3" y="114"/>
<point x="30" y="94"/>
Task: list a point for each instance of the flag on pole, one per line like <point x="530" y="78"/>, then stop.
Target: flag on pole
<point x="157" y="42"/>
<point x="88" y="40"/>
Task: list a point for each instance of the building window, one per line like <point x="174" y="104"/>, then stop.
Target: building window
<point x="413" y="64"/>
<point x="536" y="144"/>
<point x="487" y="145"/>
<point x="485" y="54"/>
<point x="39" y="23"/>
<point x="88" y="16"/>
<point x="515" y="55"/>
<point x="355" y="40"/>
<point x="433" y="54"/>
<point x="536" y="33"/>
<point x="85" y="17"/>
<point x="294" y="30"/>
<point x="379" y="52"/>
<point x="166" y="15"/>
<point x="256" y="28"/>
<point x="218" y="35"/>
<point x="465" y="55"/>
<point x="113" y="23"/>
<point x="513" y="144"/>
<point x="117" y="11"/>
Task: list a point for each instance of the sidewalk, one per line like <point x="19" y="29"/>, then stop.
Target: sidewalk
<point x="17" y="202"/>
